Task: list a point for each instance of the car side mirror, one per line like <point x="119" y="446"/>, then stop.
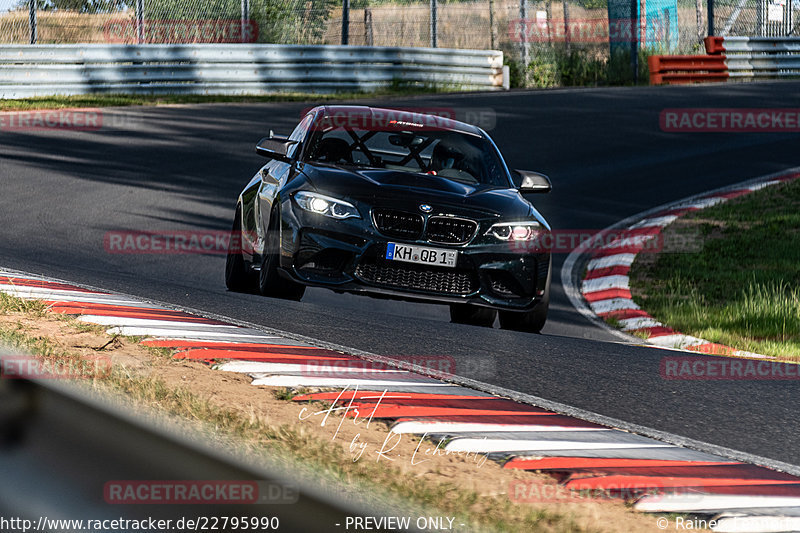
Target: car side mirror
<point x="275" y="147"/>
<point x="533" y="182"/>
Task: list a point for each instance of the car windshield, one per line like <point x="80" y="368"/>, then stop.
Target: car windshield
<point x="452" y="155"/>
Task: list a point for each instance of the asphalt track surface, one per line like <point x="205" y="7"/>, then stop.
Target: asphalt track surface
<point x="181" y="168"/>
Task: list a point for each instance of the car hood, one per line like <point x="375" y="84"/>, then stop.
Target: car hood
<point x="406" y="190"/>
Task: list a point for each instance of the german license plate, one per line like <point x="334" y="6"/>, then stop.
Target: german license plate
<point x="421" y="254"/>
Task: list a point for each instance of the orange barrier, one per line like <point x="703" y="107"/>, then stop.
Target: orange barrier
<point x="714" y="45"/>
<point x="686" y="69"/>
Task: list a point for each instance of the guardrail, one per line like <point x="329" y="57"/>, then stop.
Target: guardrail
<point x="731" y="57"/>
<point x="757" y="57"/>
<point x="60" y="446"/>
<point x="44" y="70"/>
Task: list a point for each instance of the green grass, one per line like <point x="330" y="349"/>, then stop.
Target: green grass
<point x="743" y="288"/>
<point x="581" y="66"/>
<point x="107" y="100"/>
<point x="85" y="327"/>
<point x="12" y="304"/>
<point x="286" y="393"/>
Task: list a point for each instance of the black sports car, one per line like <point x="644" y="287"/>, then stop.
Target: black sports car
<point x="394" y="204"/>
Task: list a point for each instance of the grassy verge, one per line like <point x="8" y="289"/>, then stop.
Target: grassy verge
<point x="107" y="100"/>
<point x="262" y="424"/>
<point x="743" y="288"/>
<point x="556" y="66"/>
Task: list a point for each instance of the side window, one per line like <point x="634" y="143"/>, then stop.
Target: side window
<point x="299" y="133"/>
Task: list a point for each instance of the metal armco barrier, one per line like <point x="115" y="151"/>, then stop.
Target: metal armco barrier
<point x="61" y="445"/>
<point x="731" y="57"/>
<point x="758" y="57"/>
<point x="43" y="70"/>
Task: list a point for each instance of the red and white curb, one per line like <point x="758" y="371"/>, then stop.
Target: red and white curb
<point x="606" y="286"/>
<point x="581" y="455"/>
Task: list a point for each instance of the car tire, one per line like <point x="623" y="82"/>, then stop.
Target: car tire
<point x="472" y="315"/>
<point x="270" y="282"/>
<point x="529" y="321"/>
<point x="238" y="277"/>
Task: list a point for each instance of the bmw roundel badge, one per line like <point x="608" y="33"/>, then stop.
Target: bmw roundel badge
<point x="425" y="208"/>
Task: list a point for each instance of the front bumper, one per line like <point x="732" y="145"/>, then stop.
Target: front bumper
<point x="349" y="256"/>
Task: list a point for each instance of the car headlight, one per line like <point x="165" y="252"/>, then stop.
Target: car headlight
<point x="515" y="231"/>
<point x="325" y="205"/>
